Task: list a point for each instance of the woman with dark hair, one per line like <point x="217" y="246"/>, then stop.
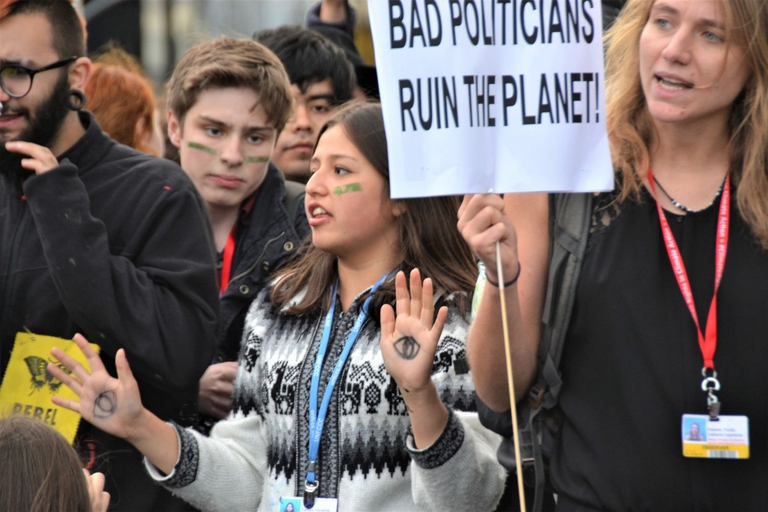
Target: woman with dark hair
<point x="41" y="472"/>
<point x="351" y="383"/>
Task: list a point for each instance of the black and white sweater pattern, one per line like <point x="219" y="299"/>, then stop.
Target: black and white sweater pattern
<point x="367" y="459"/>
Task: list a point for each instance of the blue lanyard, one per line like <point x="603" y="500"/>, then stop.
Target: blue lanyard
<point x="317" y="419"/>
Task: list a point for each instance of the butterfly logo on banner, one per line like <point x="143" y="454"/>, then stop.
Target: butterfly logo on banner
<point x="41" y="376"/>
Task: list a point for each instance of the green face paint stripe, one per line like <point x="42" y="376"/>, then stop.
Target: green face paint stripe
<point x="211" y="151"/>
<point x="206" y="149"/>
<point x="256" y="159"/>
<point x="351" y="187"/>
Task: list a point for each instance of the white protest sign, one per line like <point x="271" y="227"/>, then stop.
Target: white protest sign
<point x="492" y="95"/>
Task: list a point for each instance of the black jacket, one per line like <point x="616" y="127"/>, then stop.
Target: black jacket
<point x="114" y="244"/>
<point x="266" y="238"/>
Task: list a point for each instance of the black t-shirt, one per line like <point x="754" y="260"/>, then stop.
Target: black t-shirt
<point x="632" y="366"/>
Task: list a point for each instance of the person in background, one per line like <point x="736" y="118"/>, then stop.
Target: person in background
<point x="351" y="385"/>
<point x="228" y="100"/>
<point x="97" y="238"/>
<point x="336" y="19"/>
<point x="336" y="14"/>
<point x="41" y="472"/>
<point x="322" y="79"/>
<point x="671" y="292"/>
<point x="123" y="101"/>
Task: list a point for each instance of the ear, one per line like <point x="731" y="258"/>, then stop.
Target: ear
<point x="142" y="132"/>
<point x="174" y="129"/>
<point x="80" y="73"/>
<point x="398" y="208"/>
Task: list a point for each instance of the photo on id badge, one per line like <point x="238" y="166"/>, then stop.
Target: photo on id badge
<point x="695" y="430"/>
<point x="294" y="504"/>
<point x="290" y="505"/>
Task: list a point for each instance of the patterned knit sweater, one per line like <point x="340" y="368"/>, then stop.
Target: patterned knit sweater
<point x="367" y="458"/>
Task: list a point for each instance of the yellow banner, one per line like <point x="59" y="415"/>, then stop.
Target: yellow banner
<point x="28" y="385"/>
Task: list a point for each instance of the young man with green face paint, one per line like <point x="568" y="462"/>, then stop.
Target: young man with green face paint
<point x="228" y="101"/>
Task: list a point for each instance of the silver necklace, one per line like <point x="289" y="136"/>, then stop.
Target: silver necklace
<point x="684" y="208"/>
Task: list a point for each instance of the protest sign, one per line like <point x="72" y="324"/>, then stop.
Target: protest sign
<point x="492" y="95"/>
<point x="28" y="386"/>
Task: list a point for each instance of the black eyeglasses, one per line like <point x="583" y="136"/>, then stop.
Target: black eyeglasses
<point x="16" y="81"/>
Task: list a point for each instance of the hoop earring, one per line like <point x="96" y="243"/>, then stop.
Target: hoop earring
<point x="79" y="97"/>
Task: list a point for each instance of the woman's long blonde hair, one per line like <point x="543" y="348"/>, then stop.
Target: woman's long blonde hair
<point x="629" y="123"/>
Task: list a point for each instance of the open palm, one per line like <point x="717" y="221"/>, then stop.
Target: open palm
<point x="409" y="340"/>
<point x="113" y="405"/>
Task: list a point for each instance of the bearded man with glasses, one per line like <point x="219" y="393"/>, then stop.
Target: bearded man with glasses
<point x="45" y="123"/>
<point x="95" y="238"/>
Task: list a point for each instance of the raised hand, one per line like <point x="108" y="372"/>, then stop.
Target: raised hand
<point x="408" y="344"/>
<point x="409" y="341"/>
<point x="113" y="405"/>
<point x="333" y="11"/>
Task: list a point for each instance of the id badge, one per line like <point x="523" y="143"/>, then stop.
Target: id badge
<point x="724" y="438"/>
<point x="293" y="504"/>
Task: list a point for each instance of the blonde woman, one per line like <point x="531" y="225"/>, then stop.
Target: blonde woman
<point x="687" y="92"/>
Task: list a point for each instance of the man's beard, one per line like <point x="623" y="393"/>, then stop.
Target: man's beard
<point x="44" y="127"/>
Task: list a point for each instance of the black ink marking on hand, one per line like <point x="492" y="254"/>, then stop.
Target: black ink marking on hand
<point x="407" y="348"/>
<point x="105" y="405"/>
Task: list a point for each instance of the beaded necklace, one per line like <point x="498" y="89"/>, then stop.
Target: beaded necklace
<point x="684" y="208"/>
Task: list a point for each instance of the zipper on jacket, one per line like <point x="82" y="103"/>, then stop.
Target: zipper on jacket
<point x="258" y="260"/>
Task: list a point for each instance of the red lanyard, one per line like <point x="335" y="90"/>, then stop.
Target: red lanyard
<point x="708" y="341"/>
<point x="226" y="267"/>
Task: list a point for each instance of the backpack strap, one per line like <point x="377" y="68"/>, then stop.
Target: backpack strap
<point x="570" y="219"/>
<point x="294" y="199"/>
<point x="570" y="216"/>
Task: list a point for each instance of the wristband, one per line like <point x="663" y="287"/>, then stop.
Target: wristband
<point x="508" y="283"/>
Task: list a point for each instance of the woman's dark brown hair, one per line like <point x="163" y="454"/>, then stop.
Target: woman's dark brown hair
<point x="39" y="470"/>
<point x="428" y="237"/>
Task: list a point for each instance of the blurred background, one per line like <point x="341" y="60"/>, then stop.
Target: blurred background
<point x="158" y="32"/>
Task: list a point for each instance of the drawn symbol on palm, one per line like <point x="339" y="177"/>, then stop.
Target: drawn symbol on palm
<point x="407" y="348"/>
<point x="105" y="405"/>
